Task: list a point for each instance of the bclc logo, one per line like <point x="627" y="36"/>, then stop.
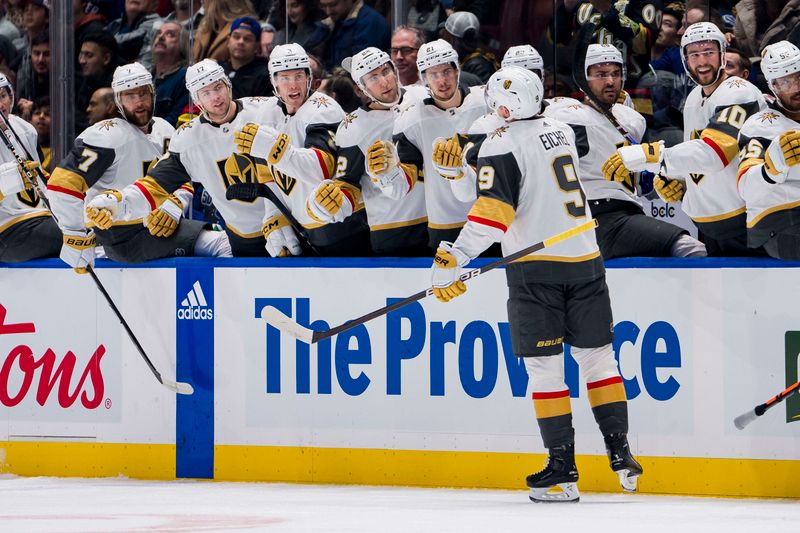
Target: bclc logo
<point x="194" y="306"/>
<point x="792" y="346"/>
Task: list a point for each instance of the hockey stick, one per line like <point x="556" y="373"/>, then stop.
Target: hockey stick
<point x="287" y="325"/>
<point x="175" y="386"/>
<point x="744" y="419"/>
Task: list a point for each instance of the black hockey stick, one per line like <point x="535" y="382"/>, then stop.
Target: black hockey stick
<point x="175" y="386"/>
<point x="744" y="419"/>
<point x="287" y="325"/>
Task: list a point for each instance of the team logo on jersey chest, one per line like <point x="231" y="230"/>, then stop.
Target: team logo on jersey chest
<point x="237" y="168"/>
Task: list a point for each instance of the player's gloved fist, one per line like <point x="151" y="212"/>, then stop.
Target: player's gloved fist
<point x="78" y="250"/>
<point x="446" y="272"/>
<point x="163" y="221"/>
<point x="281" y="240"/>
<point x="102" y="209"/>
<point x="382" y="159"/>
<point x="262" y="141"/>
<point x="447" y="158"/>
<point x="329" y="203"/>
<point x="782" y="154"/>
<point x="639" y="157"/>
<point x="622" y="97"/>
<point x="614" y="170"/>
<point x="669" y="190"/>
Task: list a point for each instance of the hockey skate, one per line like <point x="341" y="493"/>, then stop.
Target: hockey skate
<point x="559" y="471"/>
<point x="622" y="462"/>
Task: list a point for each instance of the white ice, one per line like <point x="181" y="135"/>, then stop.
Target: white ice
<point x="114" y="504"/>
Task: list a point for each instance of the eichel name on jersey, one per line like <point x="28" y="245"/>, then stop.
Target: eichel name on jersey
<point x="771" y="207"/>
<point x="414" y="133"/>
<point x="396" y="226"/>
<point x="708" y="158"/>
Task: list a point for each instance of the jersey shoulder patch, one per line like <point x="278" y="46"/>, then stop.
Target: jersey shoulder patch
<point x="631" y="120"/>
<point x="768" y="124"/>
<point x="185" y="135"/>
<point x="110" y="133"/>
<point x="320" y="109"/>
<point x="735" y="90"/>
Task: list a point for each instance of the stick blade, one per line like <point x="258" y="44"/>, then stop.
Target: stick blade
<point x="744" y="419"/>
<point x="287" y="325"/>
<point x="178" y="387"/>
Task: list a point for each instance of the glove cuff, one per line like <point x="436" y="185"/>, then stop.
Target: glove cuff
<point x="448" y="247"/>
<point x="11" y="181"/>
<point x="172" y="207"/>
<point x="274" y="223"/>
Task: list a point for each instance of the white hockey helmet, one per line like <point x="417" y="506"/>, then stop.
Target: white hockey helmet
<point x="701" y="32"/>
<point x="365" y="62"/>
<point x="597" y="54"/>
<point x="127" y="77"/>
<point x="7" y="84"/>
<point x="778" y="60"/>
<point x="517" y="89"/>
<point x="202" y="74"/>
<point x="438" y="52"/>
<point x="290" y="56"/>
<point x="525" y="56"/>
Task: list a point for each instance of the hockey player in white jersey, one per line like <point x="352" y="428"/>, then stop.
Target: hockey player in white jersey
<point x="398" y="226"/>
<point x="203" y="150"/>
<point x="769" y="171"/>
<point x="398" y="167"/>
<point x="702" y="170"/>
<point x="528" y="191"/>
<point x="611" y="189"/>
<point x="296" y="135"/>
<point x="27" y="231"/>
<point x="108" y="157"/>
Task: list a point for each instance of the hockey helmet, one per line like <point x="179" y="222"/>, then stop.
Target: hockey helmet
<point x="525" y="56"/>
<point x="517" y="89"/>
<point x="127" y="77"/>
<point x="366" y="61"/>
<point x="701" y="32"/>
<point x="202" y="74"/>
<point x="778" y="60"/>
<point x="7" y="84"/>
<point x="290" y="56"/>
<point x="597" y="54"/>
<point x="438" y="52"/>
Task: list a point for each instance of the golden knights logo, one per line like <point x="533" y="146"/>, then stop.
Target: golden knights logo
<point x="107" y="125"/>
<point x="321" y="101"/>
<point x="498" y="132"/>
<point x="348" y="119"/>
<point x="736" y="83"/>
<point x="238" y="168"/>
<point x="768" y="116"/>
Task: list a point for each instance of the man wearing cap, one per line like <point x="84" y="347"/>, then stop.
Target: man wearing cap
<point x="461" y="29"/>
<point x="246" y="70"/>
<point x="354" y="26"/>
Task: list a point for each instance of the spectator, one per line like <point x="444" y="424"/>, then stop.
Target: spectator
<point x="40" y="119"/>
<point x="37" y="83"/>
<point x="561" y="86"/>
<point x="406" y="42"/>
<point x="211" y="40"/>
<point x="246" y="70"/>
<point x="737" y="64"/>
<point x="425" y="16"/>
<point x="317" y="72"/>
<point x="671" y="18"/>
<point x="341" y="88"/>
<point x="187" y="13"/>
<point x="7" y="28"/>
<point x="86" y="22"/>
<point x="462" y="30"/>
<point x="15" y="12"/>
<point x="36" y="19"/>
<point x="101" y="106"/>
<point x="170" y="47"/>
<point x="134" y="32"/>
<point x="267" y="40"/>
<point x="98" y="59"/>
<point x="763" y="22"/>
<point x="9" y="56"/>
<point x="354" y="26"/>
<point x="305" y="27"/>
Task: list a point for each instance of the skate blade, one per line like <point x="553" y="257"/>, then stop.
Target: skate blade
<point x="569" y="494"/>
<point x="628" y="480"/>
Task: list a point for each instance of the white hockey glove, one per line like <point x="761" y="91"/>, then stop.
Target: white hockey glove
<point x="448" y="158"/>
<point x="78" y="250"/>
<point x="103" y="208"/>
<point x="383" y="168"/>
<point x="12" y="180"/>
<point x="328" y="203"/>
<point x="640" y="157"/>
<point x="262" y="141"/>
<point x="163" y="221"/>
<point x="281" y="240"/>
<point x="781" y="155"/>
<point x="446" y="270"/>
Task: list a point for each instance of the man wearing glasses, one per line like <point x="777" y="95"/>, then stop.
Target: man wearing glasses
<point x="704" y="167"/>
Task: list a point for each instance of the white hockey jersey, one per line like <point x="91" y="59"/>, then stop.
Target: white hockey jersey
<point x="25" y="204"/>
<point x="708" y="159"/>
<point x="771" y="207"/>
<point x="597" y="139"/>
<point x="111" y="154"/>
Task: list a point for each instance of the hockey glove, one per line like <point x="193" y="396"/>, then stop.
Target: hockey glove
<point x="614" y="170"/>
<point x="447" y="158"/>
<point x="78" y="250"/>
<point x="639" y="157"/>
<point x="446" y="270"/>
<point x="782" y="154"/>
<point x="383" y="168"/>
<point x="669" y="190"/>
<point x="618" y="24"/>
<point x="12" y="179"/>
<point x="281" y="240"/>
<point x="163" y="221"/>
<point x="262" y="141"/>
<point x="329" y="203"/>
<point x="102" y="209"/>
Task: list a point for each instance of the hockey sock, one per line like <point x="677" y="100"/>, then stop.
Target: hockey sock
<point x="605" y="388"/>
<point x="551" y="399"/>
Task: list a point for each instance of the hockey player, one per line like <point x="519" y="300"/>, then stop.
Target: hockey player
<point x="398" y="167"/>
<point x="27" y="231"/>
<point x="202" y="150"/>
<point x="769" y="175"/>
<point x="398" y="227"/>
<point x="706" y="163"/>
<point x="296" y="134"/>
<point x="624" y="230"/>
<point x="109" y="156"/>
<point x="528" y="191"/>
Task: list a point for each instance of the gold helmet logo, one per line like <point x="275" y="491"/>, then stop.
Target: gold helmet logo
<point x="240" y="169"/>
<point x="506" y="84"/>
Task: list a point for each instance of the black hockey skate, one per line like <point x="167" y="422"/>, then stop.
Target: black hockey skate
<point x="622" y="462"/>
<point x="559" y="470"/>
